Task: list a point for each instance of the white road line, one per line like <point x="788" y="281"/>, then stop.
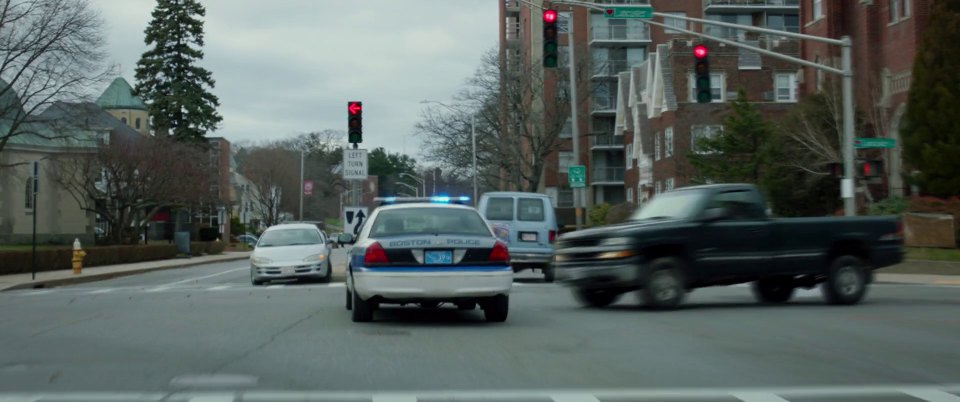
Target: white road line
<point x="932" y="395"/>
<point x="38" y="292"/>
<point x="220" y="287"/>
<point x="172" y="284"/>
<point x="394" y="398"/>
<point x="101" y="291"/>
<point x="213" y="398"/>
<point x="757" y="397"/>
<point x="276" y="286"/>
<point x="574" y="398"/>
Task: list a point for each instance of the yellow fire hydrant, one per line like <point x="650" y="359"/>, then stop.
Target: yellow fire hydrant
<point x="78" y="255"/>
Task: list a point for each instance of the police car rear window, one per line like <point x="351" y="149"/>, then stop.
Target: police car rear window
<point x="408" y="221"/>
<point x="530" y="209"/>
<point x="500" y="209"/>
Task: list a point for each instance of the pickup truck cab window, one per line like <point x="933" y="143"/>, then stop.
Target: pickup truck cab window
<point x="740" y="204"/>
<point x="671" y="205"/>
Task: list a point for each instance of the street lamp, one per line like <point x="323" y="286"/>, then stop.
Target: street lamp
<point x="420" y="180"/>
<point x="415" y="190"/>
<point x="473" y="138"/>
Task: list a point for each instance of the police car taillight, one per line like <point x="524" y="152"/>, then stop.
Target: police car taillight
<point x="499" y="253"/>
<point x="375" y="255"/>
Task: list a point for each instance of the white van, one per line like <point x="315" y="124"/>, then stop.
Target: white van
<point x="527" y="222"/>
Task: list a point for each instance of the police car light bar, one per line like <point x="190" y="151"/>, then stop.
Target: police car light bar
<point x="439" y="199"/>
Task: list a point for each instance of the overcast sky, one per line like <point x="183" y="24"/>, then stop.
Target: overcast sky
<point x="284" y="67"/>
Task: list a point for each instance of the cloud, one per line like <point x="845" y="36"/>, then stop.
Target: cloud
<point x="284" y="67"/>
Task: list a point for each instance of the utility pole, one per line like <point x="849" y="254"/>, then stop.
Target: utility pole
<point x="577" y="192"/>
<point x="301" y="185"/>
<point x="473" y="135"/>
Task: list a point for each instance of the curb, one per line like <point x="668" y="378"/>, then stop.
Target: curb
<point x="39" y="284"/>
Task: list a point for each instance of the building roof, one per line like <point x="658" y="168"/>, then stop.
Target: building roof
<point x="119" y="95"/>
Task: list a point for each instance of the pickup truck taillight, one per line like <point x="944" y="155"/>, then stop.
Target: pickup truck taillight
<point x="375" y="255"/>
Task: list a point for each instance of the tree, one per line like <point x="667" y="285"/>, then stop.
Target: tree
<point x="931" y="142"/>
<point x="388" y="167"/>
<point x="514" y="135"/>
<point x="128" y="180"/>
<point x="739" y="153"/>
<point x="50" y="51"/>
<point x="169" y="79"/>
<point x="275" y="171"/>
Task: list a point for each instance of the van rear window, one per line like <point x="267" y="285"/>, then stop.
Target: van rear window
<point x="530" y="209"/>
<point x="500" y="209"/>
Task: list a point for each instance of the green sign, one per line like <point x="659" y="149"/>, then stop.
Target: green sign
<point x="644" y="12"/>
<point x="875" y="143"/>
<point x="577" y="176"/>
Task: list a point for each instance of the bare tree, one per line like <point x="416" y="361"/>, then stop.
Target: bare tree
<point x="50" y="50"/>
<point x="515" y="134"/>
<point x="128" y="180"/>
<point x="275" y="171"/>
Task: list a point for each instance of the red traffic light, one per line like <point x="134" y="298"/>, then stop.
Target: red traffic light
<point x="700" y="51"/>
<point x="354" y="107"/>
<point x="549" y="16"/>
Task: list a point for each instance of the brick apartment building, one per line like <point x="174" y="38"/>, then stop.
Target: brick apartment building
<point x="609" y="48"/>
<point x="885" y="34"/>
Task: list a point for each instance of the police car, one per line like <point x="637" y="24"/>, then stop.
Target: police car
<point x="427" y="251"/>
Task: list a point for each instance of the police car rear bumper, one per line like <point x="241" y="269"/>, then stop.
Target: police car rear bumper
<point x="431" y="285"/>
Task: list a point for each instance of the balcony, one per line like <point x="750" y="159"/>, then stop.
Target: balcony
<point x="606" y="141"/>
<point x="619" y="35"/>
<point x="607" y="176"/>
<point x="603" y="105"/>
<point x="512" y="6"/>
<point x="737" y="6"/>
<point x="608" y="68"/>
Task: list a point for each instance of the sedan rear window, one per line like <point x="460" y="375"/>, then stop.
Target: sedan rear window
<point x="500" y="209"/>
<point x="406" y="221"/>
<point x="530" y="209"/>
<point x="289" y="237"/>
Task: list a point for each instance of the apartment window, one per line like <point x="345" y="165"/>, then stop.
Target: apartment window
<point x="717" y="87"/>
<point x="563" y="21"/>
<point x="817" y="9"/>
<point x="565" y="160"/>
<point x="819" y="75"/>
<point x="699" y="132"/>
<point x="629" y="194"/>
<point x="669" y="184"/>
<point x="786" y="87"/>
<point x="567" y="130"/>
<point x="906" y="8"/>
<point x="137" y="123"/>
<point x="894" y="11"/>
<point x="28" y="191"/>
<point x="674" y="22"/>
<point x="629" y="156"/>
<point x="784" y="22"/>
<point x="659" y="186"/>
<point x="668" y="142"/>
<point x="656" y="147"/>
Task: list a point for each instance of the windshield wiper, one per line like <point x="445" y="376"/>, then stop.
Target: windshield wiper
<point x="302" y="244"/>
<point x="657" y="218"/>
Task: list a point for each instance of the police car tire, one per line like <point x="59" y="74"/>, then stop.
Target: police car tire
<point x="362" y="310"/>
<point x="548" y="274"/>
<point x="349" y="304"/>
<point x="466" y="306"/>
<point x="496" y="308"/>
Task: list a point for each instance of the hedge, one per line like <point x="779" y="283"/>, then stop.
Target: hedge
<point x="14" y="262"/>
<point x="216" y="247"/>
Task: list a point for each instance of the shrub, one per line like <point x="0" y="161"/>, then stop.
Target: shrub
<point x="13" y="262"/>
<point x="620" y="213"/>
<point x="598" y="214"/>
<point x="889" y="206"/>
<point x="198" y="248"/>
<point x="216" y="247"/>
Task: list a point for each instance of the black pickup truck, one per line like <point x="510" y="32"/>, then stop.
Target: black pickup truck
<point x="721" y="235"/>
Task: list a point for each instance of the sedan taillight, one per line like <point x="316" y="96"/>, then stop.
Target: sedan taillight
<point x="375" y="255"/>
<point x="499" y="253"/>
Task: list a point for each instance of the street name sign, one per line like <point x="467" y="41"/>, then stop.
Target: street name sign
<point x="355" y="164"/>
<point x="643" y="12"/>
<point x="577" y="176"/>
<point x="875" y="143"/>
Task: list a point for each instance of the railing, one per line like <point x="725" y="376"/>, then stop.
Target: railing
<point x="604" y="103"/>
<point x="513" y="31"/>
<point x="607" y="174"/>
<point x="609" y="67"/>
<point x="789" y="3"/>
<point x="606" y="140"/>
<point x="620" y="33"/>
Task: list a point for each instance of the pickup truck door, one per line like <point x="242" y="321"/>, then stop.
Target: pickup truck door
<point x="738" y="244"/>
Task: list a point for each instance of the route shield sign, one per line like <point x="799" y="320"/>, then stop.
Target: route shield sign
<point x="577" y="176"/>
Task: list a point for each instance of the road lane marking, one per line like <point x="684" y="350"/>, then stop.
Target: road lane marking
<point x="214" y="398"/>
<point x="574" y="398"/>
<point x="38" y="292"/>
<point x="101" y="291"/>
<point x="172" y="284"/>
<point x="757" y="397"/>
<point x="222" y="287"/>
<point x="394" y="398"/>
<point x="932" y="395"/>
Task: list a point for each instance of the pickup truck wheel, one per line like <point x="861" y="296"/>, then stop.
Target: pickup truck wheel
<point x="773" y="290"/>
<point x="362" y="310"/>
<point x="846" y="281"/>
<point x="595" y="298"/>
<point x="665" y="287"/>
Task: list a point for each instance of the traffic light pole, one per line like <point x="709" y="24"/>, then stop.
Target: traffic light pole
<point x="846" y="72"/>
<point x="577" y="192"/>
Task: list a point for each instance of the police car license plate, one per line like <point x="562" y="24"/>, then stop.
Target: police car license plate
<point x="438" y="257"/>
<point x="288" y="270"/>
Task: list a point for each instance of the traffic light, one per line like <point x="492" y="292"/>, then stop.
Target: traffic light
<point x="355" y="122"/>
<point x="870" y="169"/>
<point x="550" y="45"/>
<point x="702" y="74"/>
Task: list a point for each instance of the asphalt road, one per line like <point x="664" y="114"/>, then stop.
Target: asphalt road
<point x="206" y="331"/>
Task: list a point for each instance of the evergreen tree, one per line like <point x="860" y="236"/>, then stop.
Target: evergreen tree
<point x="169" y="79"/>
<point x="931" y="138"/>
<point x="738" y="154"/>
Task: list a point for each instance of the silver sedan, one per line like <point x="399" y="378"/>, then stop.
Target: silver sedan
<point x="290" y="251"/>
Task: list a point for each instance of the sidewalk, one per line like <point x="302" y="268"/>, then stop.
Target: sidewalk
<point x="64" y="277"/>
<point x="918" y="279"/>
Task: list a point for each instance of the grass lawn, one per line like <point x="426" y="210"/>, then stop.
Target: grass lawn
<point x="937" y="254"/>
